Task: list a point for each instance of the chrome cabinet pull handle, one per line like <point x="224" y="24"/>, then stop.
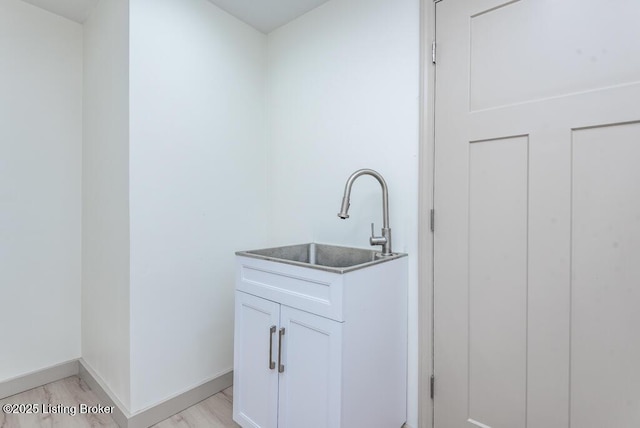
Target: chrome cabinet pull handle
<point x="272" y="364"/>
<point x="280" y="365"/>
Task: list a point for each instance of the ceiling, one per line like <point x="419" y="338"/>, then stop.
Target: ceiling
<point x="75" y="10"/>
<point x="267" y="15"/>
<point x="264" y="15"/>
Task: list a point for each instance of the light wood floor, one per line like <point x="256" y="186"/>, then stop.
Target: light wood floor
<point x="214" y="412"/>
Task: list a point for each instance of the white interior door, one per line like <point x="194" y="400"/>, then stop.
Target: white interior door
<point x="537" y="199"/>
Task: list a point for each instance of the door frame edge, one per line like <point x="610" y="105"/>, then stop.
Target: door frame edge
<point x="425" y="204"/>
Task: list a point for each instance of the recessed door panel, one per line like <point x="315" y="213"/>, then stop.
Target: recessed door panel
<point x="310" y="380"/>
<point x="255" y="393"/>
<point x="605" y="283"/>
<point x="498" y="190"/>
<point x="528" y="50"/>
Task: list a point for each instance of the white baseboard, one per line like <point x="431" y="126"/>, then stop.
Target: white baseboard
<point x="121" y="415"/>
<point x="178" y="403"/>
<point x="103" y="392"/>
<point x="160" y="411"/>
<point x="37" y="378"/>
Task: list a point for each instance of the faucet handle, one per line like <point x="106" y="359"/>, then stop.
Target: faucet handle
<point x="376" y="240"/>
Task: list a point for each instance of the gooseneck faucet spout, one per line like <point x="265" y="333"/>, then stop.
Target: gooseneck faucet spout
<point x="385" y="239"/>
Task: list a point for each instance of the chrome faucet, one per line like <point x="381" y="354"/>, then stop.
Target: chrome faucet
<point x="385" y="239"/>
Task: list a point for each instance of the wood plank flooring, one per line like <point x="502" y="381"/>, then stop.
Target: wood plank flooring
<point x="214" y="412"/>
<point x="58" y="401"/>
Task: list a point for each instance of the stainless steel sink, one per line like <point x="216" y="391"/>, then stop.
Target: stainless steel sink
<point x="331" y="258"/>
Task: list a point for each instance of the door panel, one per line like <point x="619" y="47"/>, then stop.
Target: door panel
<point x="255" y="393"/>
<point x="498" y="188"/>
<point x="605" y="343"/>
<point x="310" y="384"/>
<point x="538" y="222"/>
<point x="527" y="50"/>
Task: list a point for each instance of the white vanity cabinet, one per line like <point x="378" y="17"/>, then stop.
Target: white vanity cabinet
<point x="290" y="379"/>
<point x="320" y="348"/>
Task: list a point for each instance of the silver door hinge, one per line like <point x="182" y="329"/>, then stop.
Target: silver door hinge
<point x="432" y="387"/>
<point x="433" y="52"/>
<point x="432" y="220"/>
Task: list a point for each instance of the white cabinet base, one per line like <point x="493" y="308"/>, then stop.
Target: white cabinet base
<point x="343" y="366"/>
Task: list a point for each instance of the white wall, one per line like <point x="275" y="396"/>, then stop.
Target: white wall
<point x="40" y="166"/>
<point x="343" y="95"/>
<point x="105" y="191"/>
<point x="202" y="136"/>
<point x="198" y="187"/>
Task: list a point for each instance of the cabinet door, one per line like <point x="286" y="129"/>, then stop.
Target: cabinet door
<point x="310" y="393"/>
<point x="255" y="376"/>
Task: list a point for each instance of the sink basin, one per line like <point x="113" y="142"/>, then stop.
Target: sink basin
<point x="331" y="258"/>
